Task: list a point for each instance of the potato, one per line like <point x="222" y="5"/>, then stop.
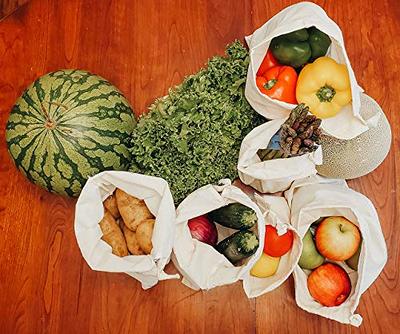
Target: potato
<point x="110" y="203"/>
<point x="112" y="235"/>
<point x="144" y="233"/>
<point x="131" y="240"/>
<point x="133" y="210"/>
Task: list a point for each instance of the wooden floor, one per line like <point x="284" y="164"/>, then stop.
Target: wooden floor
<point x="9" y="6"/>
<point x="144" y="47"/>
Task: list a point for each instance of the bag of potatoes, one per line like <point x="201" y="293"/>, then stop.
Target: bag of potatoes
<point x="125" y="222"/>
<point x="282" y="248"/>
<point x="219" y="236"/>
<point x="343" y="252"/>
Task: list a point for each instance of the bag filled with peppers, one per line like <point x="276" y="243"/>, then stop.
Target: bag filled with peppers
<point x="298" y="56"/>
<point x="280" y="151"/>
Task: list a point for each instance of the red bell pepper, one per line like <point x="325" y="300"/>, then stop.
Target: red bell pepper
<point x="268" y="62"/>
<point x="279" y="82"/>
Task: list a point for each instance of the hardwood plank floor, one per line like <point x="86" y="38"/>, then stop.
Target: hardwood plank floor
<point x="9" y="6"/>
<point x="145" y="47"/>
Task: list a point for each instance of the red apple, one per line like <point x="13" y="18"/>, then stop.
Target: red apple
<point x="329" y="284"/>
<point x="337" y="238"/>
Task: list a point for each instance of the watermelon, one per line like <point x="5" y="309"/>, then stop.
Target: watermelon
<point x="67" y="126"/>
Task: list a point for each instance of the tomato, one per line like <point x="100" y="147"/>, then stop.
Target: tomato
<point x="277" y="245"/>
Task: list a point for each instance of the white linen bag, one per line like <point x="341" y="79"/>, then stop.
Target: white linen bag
<point x="202" y="266"/>
<point x="348" y="123"/>
<point x="277" y="214"/>
<point x="277" y="174"/>
<point x="310" y="202"/>
<point x="89" y="211"/>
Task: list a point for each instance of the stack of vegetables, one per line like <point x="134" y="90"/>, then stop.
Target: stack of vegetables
<point x="238" y="246"/>
<point x="297" y="70"/>
<point x="298" y="135"/>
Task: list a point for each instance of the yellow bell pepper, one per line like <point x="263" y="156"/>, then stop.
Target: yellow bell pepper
<point x="266" y="266"/>
<point x="324" y="86"/>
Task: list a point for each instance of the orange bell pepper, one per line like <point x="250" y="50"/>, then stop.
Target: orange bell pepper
<point x="279" y="83"/>
<point x="268" y="62"/>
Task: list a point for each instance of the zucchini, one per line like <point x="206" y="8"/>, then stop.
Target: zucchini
<point x="238" y="246"/>
<point x="235" y="215"/>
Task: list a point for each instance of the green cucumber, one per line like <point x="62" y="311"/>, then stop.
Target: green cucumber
<point x="238" y="246"/>
<point x="235" y="215"/>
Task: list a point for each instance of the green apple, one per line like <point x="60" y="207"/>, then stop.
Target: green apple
<point x="353" y="261"/>
<point x="310" y="258"/>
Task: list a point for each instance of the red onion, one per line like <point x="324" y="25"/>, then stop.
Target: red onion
<point x="202" y="229"/>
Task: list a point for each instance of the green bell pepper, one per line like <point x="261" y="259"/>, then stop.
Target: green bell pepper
<point x="297" y="35"/>
<point x="299" y="47"/>
<point x="319" y="43"/>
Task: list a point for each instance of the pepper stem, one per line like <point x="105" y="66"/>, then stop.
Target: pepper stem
<point x="326" y="93"/>
<point x="270" y="83"/>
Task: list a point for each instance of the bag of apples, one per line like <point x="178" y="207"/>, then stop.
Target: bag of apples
<point x="298" y="56"/>
<point x="281" y="252"/>
<point x="273" y="154"/>
<point x="219" y="236"/>
<point x="343" y="252"/>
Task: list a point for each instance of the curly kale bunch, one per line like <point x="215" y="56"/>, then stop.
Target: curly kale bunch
<point x="192" y="136"/>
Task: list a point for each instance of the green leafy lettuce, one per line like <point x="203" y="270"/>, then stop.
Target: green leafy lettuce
<point x="192" y="136"/>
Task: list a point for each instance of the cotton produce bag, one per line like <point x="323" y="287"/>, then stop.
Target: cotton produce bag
<point x="310" y="200"/>
<point x="348" y="123"/>
<point x="201" y="265"/>
<point x="148" y="269"/>
<point x="277" y="174"/>
<point x="277" y="214"/>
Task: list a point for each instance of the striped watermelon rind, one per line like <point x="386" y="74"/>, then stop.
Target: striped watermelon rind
<point x="69" y="125"/>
